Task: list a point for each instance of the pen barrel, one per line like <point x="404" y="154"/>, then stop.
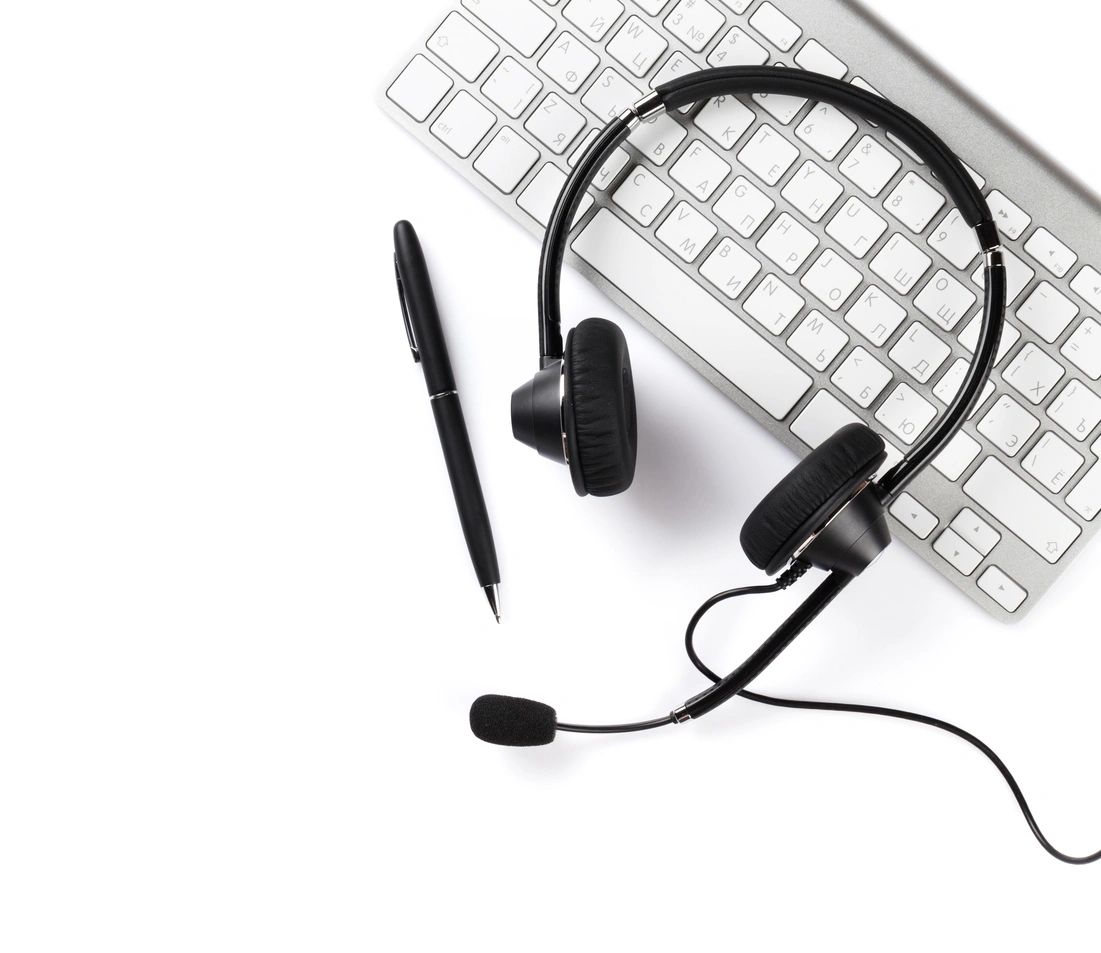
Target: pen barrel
<point x="469" y="500"/>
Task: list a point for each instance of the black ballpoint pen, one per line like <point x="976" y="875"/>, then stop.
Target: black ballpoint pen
<point x="426" y="341"/>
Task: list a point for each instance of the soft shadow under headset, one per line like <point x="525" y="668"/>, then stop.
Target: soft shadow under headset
<point x="830" y="512"/>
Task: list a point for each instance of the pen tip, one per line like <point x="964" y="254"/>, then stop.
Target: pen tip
<point x="493" y="595"/>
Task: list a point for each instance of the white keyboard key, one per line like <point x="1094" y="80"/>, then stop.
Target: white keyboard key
<point x="826" y="130"/>
<point x="637" y="46"/>
<point x="862" y="377"/>
<point x="957" y="456"/>
<point x="569" y="62"/>
<point x="944" y="300"/>
<point x="901" y="264"/>
<point x="1033" y="374"/>
<point x="920" y="352"/>
<point x="658" y="138"/>
<point x="608" y="173"/>
<point x="821" y="419"/>
<point x="831" y="279"/>
<point x="812" y="190"/>
<point x="699" y="170"/>
<point x="511" y="87"/>
<point x="744" y="207"/>
<point x="542" y="192"/>
<point x="817" y="59"/>
<point x="518" y="22"/>
<point x="1008" y="425"/>
<point x="594" y="18"/>
<point x="642" y="195"/>
<point x="773" y="305"/>
<point x="420" y="87"/>
<point x="689" y="311"/>
<point x="506" y="160"/>
<point x="1085" y="499"/>
<point x="856" y="227"/>
<point x="1003" y="590"/>
<point x="1047" y="311"/>
<point x="725" y="119"/>
<point x="976" y="531"/>
<point x="870" y="166"/>
<point x="1087" y="284"/>
<point x="875" y="315"/>
<point x="1077" y="410"/>
<point x="1017" y="276"/>
<point x="957" y="552"/>
<point x="969" y="337"/>
<point x="738" y="48"/>
<point x="768" y="154"/>
<point x="463" y="46"/>
<point x="818" y="340"/>
<point x="1021" y="509"/>
<point x="955" y="240"/>
<point x="915" y="517"/>
<point x="609" y="96"/>
<point x="1050" y="252"/>
<point x="906" y="413"/>
<point x="730" y="268"/>
<point x="788" y="243"/>
<point x="653" y="7"/>
<point x="1083" y="348"/>
<point x="463" y="124"/>
<point x="914" y="202"/>
<point x="1053" y="462"/>
<point x="949" y="385"/>
<point x="555" y="123"/>
<point x="694" y="23"/>
<point x="1010" y="218"/>
<point x="686" y="232"/>
<point x="775" y="27"/>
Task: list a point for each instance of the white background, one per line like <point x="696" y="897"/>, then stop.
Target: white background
<point x="238" y="630"/>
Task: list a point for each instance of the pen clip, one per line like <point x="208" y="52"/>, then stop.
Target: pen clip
<point x="405" y="314"/>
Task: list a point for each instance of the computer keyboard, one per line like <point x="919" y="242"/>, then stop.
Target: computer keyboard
<point x="799" y="258"/>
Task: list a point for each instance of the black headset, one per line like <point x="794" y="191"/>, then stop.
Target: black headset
<point x="830" y="512"/>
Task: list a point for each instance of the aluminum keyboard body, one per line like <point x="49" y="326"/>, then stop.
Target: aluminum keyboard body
<point x="853" y="320"/>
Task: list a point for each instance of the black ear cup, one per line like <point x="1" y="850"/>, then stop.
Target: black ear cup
<point x="599" y="409"/>
<point x="810" y="495"/>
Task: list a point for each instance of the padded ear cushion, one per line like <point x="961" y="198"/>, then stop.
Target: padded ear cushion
<point x="601" y="424"/>
<point x="810" y="495"/>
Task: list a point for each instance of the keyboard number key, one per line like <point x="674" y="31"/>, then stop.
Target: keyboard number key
<point x="870" y="166"/>
<point x="826" y="130"/>
<point x="914" y="202"/>
<point x="695" y="23"/>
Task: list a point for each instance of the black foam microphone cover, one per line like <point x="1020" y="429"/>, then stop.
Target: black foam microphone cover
<point x="516" y="722"/>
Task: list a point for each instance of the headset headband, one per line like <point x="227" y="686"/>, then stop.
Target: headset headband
<point x="773" y="80"/>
